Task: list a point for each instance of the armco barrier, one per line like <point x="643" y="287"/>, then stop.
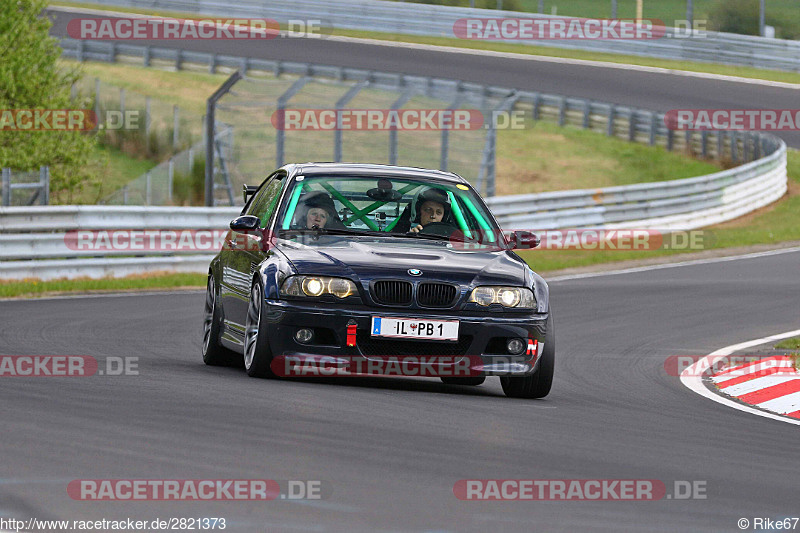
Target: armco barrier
<point x="33" y="241"/>
<point x="436" y="20"/>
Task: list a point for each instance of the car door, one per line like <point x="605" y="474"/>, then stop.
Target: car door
<point x="248" y="249"/>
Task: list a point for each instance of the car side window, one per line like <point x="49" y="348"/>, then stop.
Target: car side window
<point x="264" y="201"/>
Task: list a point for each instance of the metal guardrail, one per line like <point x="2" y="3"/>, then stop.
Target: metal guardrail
<point x="435" y="20"/>
<point x="45" y="243"/>
<point x="29" y="246"/>
<point x="679" y="204"/>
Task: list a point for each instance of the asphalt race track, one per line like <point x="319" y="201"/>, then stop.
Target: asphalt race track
<point x="647" y="90"/>
<point x="392" y="448"/>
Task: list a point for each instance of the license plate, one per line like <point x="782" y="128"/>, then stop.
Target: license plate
<point x="412" y="328"/>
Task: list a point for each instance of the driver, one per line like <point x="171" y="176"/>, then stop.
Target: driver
<point x="432" y="206"/>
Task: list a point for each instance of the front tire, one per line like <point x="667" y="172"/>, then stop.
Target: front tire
<point x="538" y="384"/>
<point x="257" y="353"/>
<point x="214" y="354"/>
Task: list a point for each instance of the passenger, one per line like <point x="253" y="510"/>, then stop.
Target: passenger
<point x="317" y="212"/>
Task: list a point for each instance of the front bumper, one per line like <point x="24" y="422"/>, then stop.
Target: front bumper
<point x="478" y="347"/>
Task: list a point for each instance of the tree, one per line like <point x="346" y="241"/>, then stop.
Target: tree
<point x="31" y="77"/>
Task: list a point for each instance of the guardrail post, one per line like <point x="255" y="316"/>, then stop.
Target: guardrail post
<point x="537" y="103"/>
<point x="212" y="64"/>
<point x="147" y="189"/>
<point x="147" y="124"/>
<point x="734" y="147"/>
<point x="178" y="59"/>
<point x="746" y="140"/>
<point x="44" y="185"/>
<point x="146" y="56"/>
<point x="757" y="146"/>
<point x="562" y="111"/>
<point x="720" y="145"/>
<point x="176" y="124"/>
<point x="6" y="187"/>
<point x="587" y="113"/>
<point x="653" y="128"/>
<point x="170" y="177"/>
<point x="610" y="126"/>
<point x="97" y="98"/>
<point x="112" y="54"/>
<point x="704" y="143"/>
<point x="632" y="126"/>
<point x="79" y="51"/>
<point x="687" y="139"/>
<point x="670" y="139"/>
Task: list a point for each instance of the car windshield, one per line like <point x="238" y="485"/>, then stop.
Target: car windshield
<point x="387" y="207"/>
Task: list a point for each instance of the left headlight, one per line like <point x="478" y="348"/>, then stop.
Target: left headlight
<point x="316" y="286"/>
<point x="516" y="297"/>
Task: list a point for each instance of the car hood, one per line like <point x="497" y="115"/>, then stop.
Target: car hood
<point x="392" y="258"/>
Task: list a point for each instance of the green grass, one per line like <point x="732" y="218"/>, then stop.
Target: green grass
<point x="522" y="48"/>
<point x="118" y="170"/>
<point x="35" y="288"/>
<point x="789" y="344"/>
<point x="545" y="157"/>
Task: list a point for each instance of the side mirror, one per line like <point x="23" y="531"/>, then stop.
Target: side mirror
<point x="523" y="240"/>
<point x="245" y="223"/>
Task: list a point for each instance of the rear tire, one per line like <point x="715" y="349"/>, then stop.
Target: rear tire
<point x="471" y="381"/>
<point x="214" y="354"/>
<point x="538" y="384"/>
<point x="257" y="353"/>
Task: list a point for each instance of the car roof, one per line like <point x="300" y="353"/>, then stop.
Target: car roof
<point x="365" y="169"/>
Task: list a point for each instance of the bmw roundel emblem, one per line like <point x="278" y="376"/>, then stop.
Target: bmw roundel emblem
<point x="415" y="271"/>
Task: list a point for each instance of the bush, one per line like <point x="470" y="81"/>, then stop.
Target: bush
<point x="742" y="16"/>
<point x="30" y="78"/>
<point x="189" y="189"/>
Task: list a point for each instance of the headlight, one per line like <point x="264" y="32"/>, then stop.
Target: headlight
<point x="316" y="286"/>
<point x="518" y="297"/>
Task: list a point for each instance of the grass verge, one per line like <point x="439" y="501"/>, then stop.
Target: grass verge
<point x="521" y="48"/>
<point x="158" y="280"/>
<point x="789" y="344"/>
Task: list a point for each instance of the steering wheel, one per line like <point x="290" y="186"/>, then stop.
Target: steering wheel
<point x="438" y="228"/>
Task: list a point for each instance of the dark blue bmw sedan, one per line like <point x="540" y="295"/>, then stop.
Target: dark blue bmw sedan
<point x="348" y="267"/>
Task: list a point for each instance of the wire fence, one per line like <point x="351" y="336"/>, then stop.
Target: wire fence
<point x="21" y="188"/>
<point x="138" y="124"/>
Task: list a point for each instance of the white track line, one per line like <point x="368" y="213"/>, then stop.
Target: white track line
<point x="673" y="265"/>
<point x="692" y="379"/>
<point x="492" y="53"/>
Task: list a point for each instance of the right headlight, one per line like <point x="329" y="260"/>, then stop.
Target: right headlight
<point x="512" y="297"/>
